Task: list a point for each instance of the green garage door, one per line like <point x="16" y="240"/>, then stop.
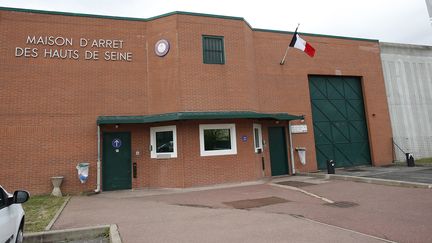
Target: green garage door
<point x="339" y="121"/>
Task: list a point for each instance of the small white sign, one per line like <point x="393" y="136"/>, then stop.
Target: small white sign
<point x="298" y="128"/>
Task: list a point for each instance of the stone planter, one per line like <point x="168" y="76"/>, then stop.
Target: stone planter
<point x="56" y="181"/>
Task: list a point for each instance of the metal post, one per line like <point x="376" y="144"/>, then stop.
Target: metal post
<point x="98" y="181"/>
<point x="291" y="148"/>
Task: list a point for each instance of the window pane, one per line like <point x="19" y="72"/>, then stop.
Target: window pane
<point x="217" y="139"/>
<point x="256" y="134"/>
<point x="164" y="142"/>
<point x="213" y="50"/>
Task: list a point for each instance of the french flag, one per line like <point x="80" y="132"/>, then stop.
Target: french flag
<point x="299" y="43"/>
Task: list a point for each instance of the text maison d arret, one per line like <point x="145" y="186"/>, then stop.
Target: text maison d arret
<point x="58" y="47"/>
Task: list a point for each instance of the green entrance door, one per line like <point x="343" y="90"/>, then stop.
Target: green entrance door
<point x="339" y="121"/>
<point x="278" y="151"/>
<point x="116" y="161"/>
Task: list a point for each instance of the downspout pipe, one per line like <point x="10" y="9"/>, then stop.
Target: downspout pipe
<point x="291" y="148"/>
<point x="98" y="177"/>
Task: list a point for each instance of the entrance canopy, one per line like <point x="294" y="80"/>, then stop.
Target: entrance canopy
<point x="179" y="116"/>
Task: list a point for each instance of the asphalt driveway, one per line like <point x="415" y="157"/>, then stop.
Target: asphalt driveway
<point x="267" y="212"/>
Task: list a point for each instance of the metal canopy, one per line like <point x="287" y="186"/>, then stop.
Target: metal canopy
<point x="179" y="116"/>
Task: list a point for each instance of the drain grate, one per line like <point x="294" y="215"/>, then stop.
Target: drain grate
<point x="295" y="183"/>
<point x="342" y="204"/>
<point x="255" y="203"/>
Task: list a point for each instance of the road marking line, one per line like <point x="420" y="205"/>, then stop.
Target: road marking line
<point x="345" y="229"/>
<point x="302" y="191"/>
<point x="328" y="201"/>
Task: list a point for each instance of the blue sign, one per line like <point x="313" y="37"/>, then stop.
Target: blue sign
<point x="116" y="143"/>
<point x="244" y="138"/>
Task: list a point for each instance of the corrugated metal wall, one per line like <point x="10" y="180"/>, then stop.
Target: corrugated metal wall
<point x="408" y="80"/>
<point x="429" y="8"/>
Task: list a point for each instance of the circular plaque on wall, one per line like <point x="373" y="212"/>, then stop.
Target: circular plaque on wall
<point x="162" y="47"/>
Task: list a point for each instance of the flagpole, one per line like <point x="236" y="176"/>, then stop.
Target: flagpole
<point x="283" y="59"/>
<point x="286" y="51"/>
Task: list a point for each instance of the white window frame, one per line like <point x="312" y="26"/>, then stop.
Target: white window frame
<point x="153" y="153"/>
<point x="259" y="142"/>
<point x="231" y="127"/>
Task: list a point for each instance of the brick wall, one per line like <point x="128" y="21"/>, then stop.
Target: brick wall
<point x="49" y="106"/>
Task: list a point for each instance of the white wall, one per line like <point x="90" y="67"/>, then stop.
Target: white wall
<point x="408" y="79"/>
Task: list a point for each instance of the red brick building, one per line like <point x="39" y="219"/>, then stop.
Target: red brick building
<point x="180" y="100"/>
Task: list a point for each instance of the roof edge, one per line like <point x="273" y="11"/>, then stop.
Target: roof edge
<point x="403" y="45"/>
<point x="316" y="35"/>
<point x="37" y="11"/>
<point x="182" y="116"/>
<point x="174" y="13"/>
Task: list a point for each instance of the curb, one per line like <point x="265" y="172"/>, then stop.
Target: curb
<point x="142" y="192"/>
<point x="368" y="180"/>
<point x="75" y="234"/>
<point x="54" y="219"/>
<point x="115" y="234"/>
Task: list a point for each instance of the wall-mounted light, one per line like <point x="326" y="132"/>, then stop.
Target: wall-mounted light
<point x="116" y="126"/>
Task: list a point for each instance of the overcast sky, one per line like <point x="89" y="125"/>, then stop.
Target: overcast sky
<point x="400" y="21"/>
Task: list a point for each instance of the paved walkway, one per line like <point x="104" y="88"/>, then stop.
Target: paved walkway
<point x="421" y="174"/>
<point x="361" y="213"/>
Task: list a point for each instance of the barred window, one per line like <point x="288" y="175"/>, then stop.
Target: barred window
<point x="213" y="50"/>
